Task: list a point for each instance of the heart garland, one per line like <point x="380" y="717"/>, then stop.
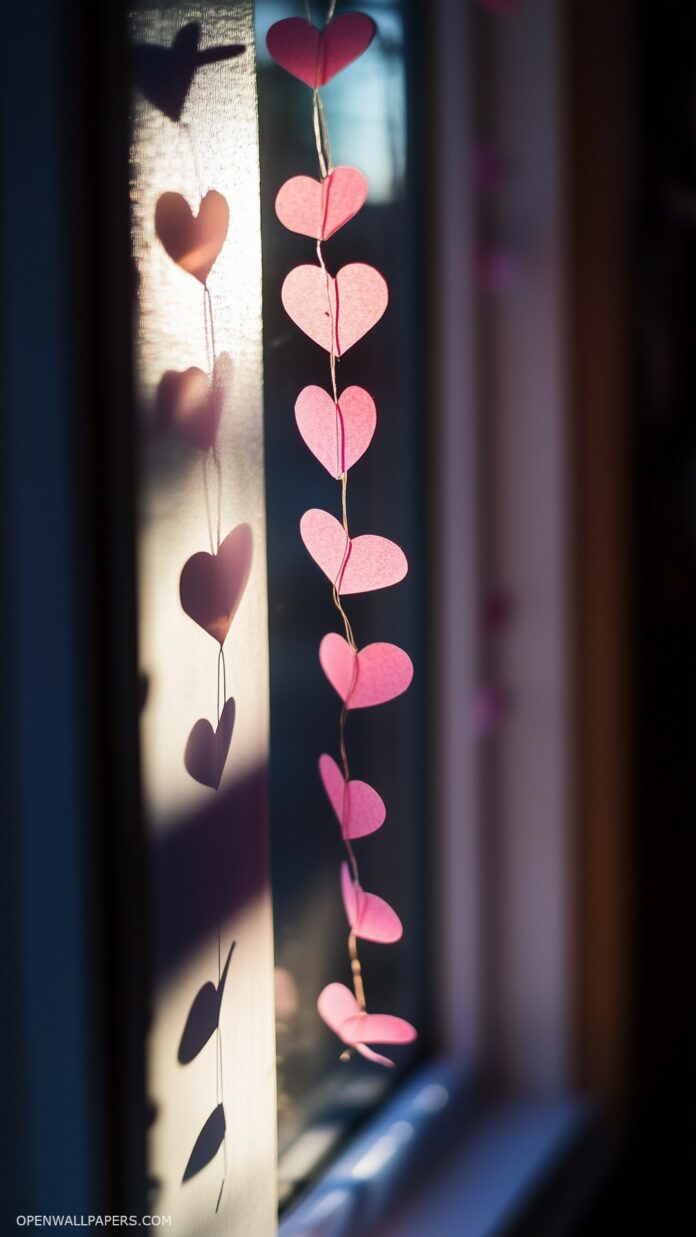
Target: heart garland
<point x="336" y="311"/>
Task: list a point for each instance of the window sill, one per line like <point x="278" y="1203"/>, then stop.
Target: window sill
<point x="468" y="1163"/>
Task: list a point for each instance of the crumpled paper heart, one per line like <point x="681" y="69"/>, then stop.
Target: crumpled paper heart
<point x="315" y="56"/>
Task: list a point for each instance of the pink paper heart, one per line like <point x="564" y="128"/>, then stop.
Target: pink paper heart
<point x="336" y="1004"/>
<point x="354" y="300"/>
<point x="500" y="6"/>
<point x="337" y="434"/>
<point x="316" y="56"/>
<point x="318" y="208"/>
<point x="206" y="749"/>
<point x="359" y="808"/>
<point x="212" y="585"/>
<point x="375" y="674"/>
<point x="192" y="241"/>
<point x="354" y="565"/>
<point x="340" y="1010"/>
<point x="378" y="1029"/>
<point x="370" y="917"/>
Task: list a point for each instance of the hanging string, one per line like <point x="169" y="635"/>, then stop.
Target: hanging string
<point x="215" y="541"/>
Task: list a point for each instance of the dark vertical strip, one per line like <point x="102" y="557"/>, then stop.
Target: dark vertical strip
<point x="51" y="1017"/>
<point x="122" y="859"/>
<point x="602" y="207"/>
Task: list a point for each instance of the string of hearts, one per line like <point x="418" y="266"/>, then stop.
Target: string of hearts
<point x="211" y="584"/>
<point x="336" y="311"/>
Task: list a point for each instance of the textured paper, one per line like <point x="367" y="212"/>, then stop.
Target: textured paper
<point x="192" y="241"/>
<point x="353" y="564"/>
<point x="374" y="675"/>
<point x="206" y="749"/>
<point x="212" y="585"/>
<point x="316" y="56"/>
<point x="353" y="301"/>
<point x="338" y="435"/>
<point x="360" y="810"/>
<point x="370" y="917"/>
<point x="318" y="208"/>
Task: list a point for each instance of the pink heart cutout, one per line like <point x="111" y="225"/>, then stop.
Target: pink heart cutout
<point x="318" y="208"/>
<point x="359" y="808"/>
<point x="206" y="749"/>
<point x="370" y="917"/>
<point x="212" y="585"/>
<point x="353" y="565"/>
<point x="192" y="241"/>
<point x="375" y="674"/>
<point x="354" y="301"/>
<point x="337" y="434"/>
<point x="316" y="56"/>
<point x="340" y="1011"/>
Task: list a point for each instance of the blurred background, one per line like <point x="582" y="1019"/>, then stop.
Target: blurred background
<point x="532" y="170"/>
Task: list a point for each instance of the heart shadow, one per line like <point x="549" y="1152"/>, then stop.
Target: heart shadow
<point x="204" y="1015"/>
<point x="212" y="585"/>
<point x="207" y="1144"/>
<point x="192" y="241"/>
<point x="164" y="74"/>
